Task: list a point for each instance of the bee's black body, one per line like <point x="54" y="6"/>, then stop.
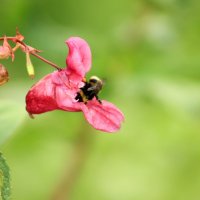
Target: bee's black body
<point x="90" y="90"/>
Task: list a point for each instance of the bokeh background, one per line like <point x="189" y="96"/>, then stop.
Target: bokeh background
<point x="148" y="52"/>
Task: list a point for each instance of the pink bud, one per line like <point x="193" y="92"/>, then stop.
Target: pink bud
<point x="5" y="50"/>
<point x="3" y="75"/>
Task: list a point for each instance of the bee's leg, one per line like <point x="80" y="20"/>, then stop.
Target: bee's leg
<point x="98" y="99"/>
<point x="85" y="100"/>
<point x="84" y="80"/>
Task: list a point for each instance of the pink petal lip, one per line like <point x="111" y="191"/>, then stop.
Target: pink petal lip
<point x="41" y="97"/>
<point x="79" y="58"/>
<point x="105" y="117"/>
<point x="59" y="89"/>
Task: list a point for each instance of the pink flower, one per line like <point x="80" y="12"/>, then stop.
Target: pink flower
<point x="59" y="89"/>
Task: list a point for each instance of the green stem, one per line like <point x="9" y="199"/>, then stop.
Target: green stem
<point x="71" y="172"/>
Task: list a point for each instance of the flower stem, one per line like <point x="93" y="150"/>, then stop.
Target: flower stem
<point x="46" y="61"/>
<point x="71" y="172"/>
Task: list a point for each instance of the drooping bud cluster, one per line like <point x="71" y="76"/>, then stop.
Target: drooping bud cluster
<point x="6" y="51"/>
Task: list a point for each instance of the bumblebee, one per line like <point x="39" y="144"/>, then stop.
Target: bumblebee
<point x="90" y="90"/>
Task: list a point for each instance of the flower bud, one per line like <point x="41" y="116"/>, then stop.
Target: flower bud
<point x="4" y="52"/>
<point x="3" y="75"/>
<point x="29" y="66"/>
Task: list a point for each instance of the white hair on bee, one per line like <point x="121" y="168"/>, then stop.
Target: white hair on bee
<point x="95" y="78"/>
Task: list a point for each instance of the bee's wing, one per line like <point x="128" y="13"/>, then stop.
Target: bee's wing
<point x="92" y="88"/>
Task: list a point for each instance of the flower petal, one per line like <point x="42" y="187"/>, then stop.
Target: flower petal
<point x="79" y="58"/>
<point x="105" y="117"/>
<point x="66" y="99"/>
<point x="52" y="92"/>
<point x="41" y="97"/>
<point x="65" y="92"/>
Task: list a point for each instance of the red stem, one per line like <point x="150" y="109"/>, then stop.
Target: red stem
<point x="15" y="40"/>
<point x="46" y="61"/>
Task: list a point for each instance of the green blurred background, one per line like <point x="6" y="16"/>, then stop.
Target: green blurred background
<point x="148" y="51"/>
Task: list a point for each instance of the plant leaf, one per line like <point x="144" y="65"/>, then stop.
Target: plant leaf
<point x="5" y="190"/>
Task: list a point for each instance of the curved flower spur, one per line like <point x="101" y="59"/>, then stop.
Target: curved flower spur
<point x="65" y="90"/>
